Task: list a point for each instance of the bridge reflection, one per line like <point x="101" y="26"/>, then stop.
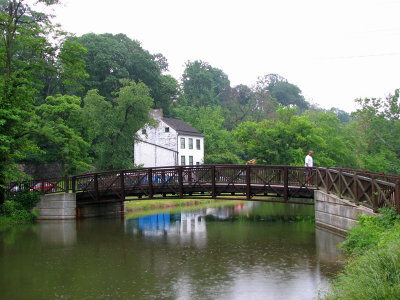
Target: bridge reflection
<point x="182" y="223"/>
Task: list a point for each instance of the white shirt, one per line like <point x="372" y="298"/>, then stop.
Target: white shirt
<point x="309" y="161"/>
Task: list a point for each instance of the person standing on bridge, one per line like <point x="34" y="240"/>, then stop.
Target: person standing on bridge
<point x="309" y="163"/>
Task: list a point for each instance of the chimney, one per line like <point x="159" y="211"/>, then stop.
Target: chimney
<point x="157" y="114"/>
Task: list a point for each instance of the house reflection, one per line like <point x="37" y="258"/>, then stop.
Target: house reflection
<point x="183" y="223"/>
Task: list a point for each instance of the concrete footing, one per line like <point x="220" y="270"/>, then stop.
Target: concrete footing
<point x="57" y="207"/>
<point x="64" y="207"/>
<point x="336" y="214"/>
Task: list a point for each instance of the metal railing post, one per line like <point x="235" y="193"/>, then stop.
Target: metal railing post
<point x="66" y="184"/>
<point x="355" y="188"/>
<point x="327" y="180"/>
<point x="96" y="187"/>
<point x="150" y="182"/>
<point x="213" y="195"/>
<point x="285" y="183"/>
<point x="180" y="180"/>
<point x="73" y="184"/>
<point x="248" y="183"/>
<point x="122" y="178"/>
<point x="373" y="194"/>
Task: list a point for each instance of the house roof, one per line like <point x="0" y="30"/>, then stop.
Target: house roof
<point x="182" y="127"/>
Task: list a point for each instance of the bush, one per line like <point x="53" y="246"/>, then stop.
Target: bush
<point x="373" y="271"/>
<point x="374" y="275"/>
<point x="369" y="231"/>
<point x="17" y="208"/>
<point x="27" y="199"/>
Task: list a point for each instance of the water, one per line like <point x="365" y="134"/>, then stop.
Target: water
<point x="227" y="252"/>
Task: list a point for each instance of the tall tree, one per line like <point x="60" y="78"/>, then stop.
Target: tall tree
<point x="24" y="46"/>
<point x="284" y="92"/>
<point x="204" y="85"/>
<point x="60" y="134"/>
<point x="110" y="58"/>
<point x="378" y="131"/>
<point x="112" y="124"/>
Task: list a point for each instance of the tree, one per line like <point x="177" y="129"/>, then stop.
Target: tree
<point x="24" y="45"/>
<point x="60" y="134"/>
<point x="112" y="125"/>
<point x="204" y="85"/>
<point x="280" y="89"/>
<point x="219" y="144"/>
<point x="239" y="106"/>
<point x="285" y="141"/>
<point x="377" y="129"/>
<point x="110" y="58"/>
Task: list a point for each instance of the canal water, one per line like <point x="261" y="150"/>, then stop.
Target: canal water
<point x="240" y="251"/>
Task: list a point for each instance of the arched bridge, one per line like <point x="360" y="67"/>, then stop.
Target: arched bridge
<point x="239" y="182"/>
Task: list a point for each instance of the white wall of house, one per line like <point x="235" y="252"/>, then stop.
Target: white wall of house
<point x="193" y="155"/>
<point x="158" y="149"/>
<point x="161" y="146"/>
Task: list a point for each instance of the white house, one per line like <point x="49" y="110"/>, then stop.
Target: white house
<point x="172" y="142"/>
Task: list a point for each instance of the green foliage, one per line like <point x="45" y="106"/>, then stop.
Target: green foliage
<point x="26" y="199"/>
<point x="284" y="92"/>
<point x="287" y="140"/>
<point x="34" y="57"/>
<point x="369" y="232"/>
<point x="60" y="134"/>
<point x="378" y="129"/>
<point x="220" y="146"/>
<point x="110" y="58"/>
<point x="374" y="269"/>
<point x="17" y="208"/>
<point x="204" y="85"/>
<point x="112" y="125"/>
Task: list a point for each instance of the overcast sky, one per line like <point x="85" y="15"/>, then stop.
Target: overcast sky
<point x="334" y="51"/>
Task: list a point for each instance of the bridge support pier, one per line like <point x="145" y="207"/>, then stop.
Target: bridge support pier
<point x="57" y="207"/>
<point x="336" y="214"/>
<point x="64" y="207"/>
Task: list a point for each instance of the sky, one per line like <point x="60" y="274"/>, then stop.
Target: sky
<point x="334" y="51"/>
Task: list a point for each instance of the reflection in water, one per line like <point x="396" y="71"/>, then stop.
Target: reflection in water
<point x="57" y="233"/>
<point x="227" y="252"/>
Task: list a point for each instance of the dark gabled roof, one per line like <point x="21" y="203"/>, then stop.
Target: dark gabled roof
<point x="182" y="127"/>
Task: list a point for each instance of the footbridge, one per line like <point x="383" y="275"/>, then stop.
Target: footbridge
<point x="268" y="183"/>
<point x="238" y="182"/>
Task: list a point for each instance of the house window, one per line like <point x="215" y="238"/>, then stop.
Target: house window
<point x="183" y="161"/>
<point x="182" y="143"/>
<point x="191" y="160"/>
<point x="144" y="131"/>
<point x="166" y="129"/>
<point x="197" y="144"/>
<point x="197" y="163"/>
<point x="190" y="143"/>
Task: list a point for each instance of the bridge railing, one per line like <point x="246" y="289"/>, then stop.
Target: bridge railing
<point x="44" y="186"/>
<point x="374" y="190"/>
<point x="371" y="189"/>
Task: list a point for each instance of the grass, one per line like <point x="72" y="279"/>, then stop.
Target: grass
<point x="373" y="269"/>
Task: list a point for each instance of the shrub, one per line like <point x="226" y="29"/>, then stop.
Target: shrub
<point x="374" y="275"/>
<point x="369" y="231"/>
<point x="373" y="270"/>
<point x="17" y="208"/>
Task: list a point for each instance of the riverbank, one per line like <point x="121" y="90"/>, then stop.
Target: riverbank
<point x="373" y="269"/>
